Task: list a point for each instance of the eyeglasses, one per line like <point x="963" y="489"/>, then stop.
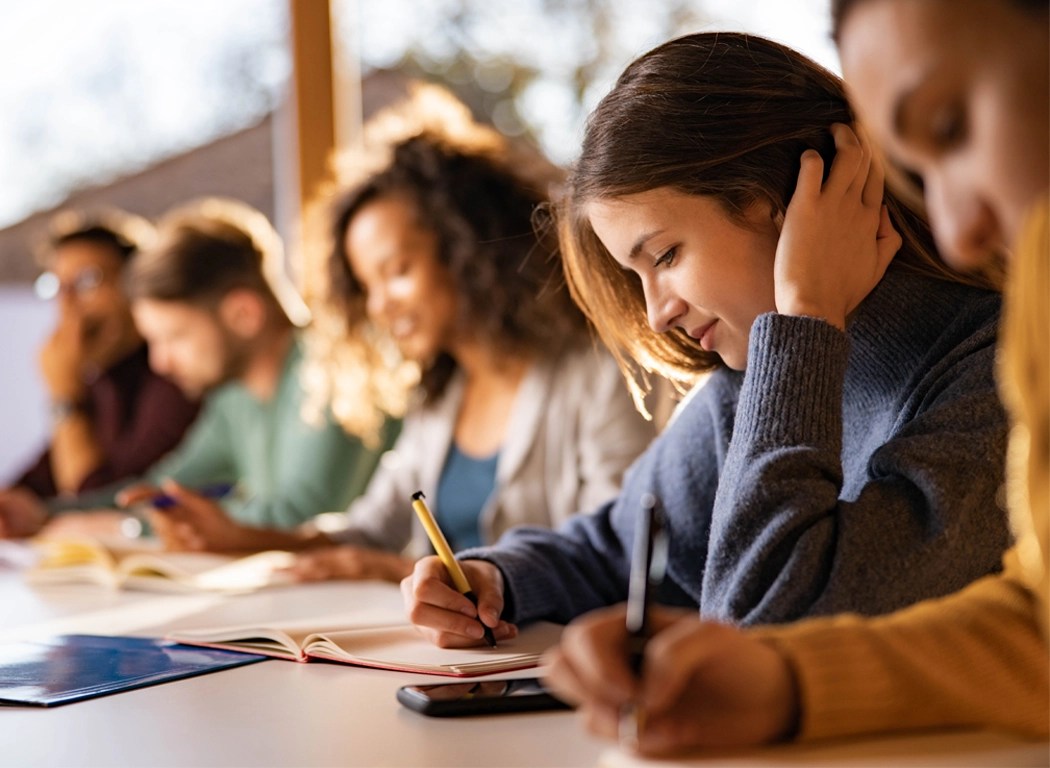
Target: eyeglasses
<point x="48" y="286"/>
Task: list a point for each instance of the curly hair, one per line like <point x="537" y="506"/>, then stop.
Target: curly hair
<point x="479" y="204"/>
<point x="724" y="115"/>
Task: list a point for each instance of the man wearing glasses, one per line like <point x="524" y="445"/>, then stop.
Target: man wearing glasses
<point x="112" y="417"/>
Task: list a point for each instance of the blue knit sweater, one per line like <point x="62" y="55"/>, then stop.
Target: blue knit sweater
<point x="852" y="471"/>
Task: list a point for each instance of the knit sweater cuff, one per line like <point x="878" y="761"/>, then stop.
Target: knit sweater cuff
<point x="505" y="562"/>
<point x="842" y="689"/>
<point x="792" y="392"/>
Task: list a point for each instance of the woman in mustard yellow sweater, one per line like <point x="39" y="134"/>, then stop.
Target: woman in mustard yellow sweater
<point x="965" y="108"/>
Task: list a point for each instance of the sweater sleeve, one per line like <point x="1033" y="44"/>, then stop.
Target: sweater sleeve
<point x="584" y="564"/>
<point x="920" y="521"/>
<point x="973" y="659"/>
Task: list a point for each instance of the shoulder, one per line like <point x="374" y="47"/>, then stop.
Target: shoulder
<point x="715" y="395"/>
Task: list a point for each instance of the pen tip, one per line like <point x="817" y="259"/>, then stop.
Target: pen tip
<point x="417" y="496"/>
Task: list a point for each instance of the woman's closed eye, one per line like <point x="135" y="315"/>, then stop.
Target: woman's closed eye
<point x="947" y="127"/>
<point x="666" y="258"/>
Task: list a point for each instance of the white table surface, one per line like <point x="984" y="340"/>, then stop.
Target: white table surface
<point x="280" y="713"/>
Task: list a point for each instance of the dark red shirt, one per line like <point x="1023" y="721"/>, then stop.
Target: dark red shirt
<point x="138" y="417"/>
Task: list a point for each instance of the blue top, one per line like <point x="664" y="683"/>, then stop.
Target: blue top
<point x="851" y="471"/>
<point x="465" y="486"/>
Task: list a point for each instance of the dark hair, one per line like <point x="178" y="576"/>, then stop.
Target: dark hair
<point x="507" y="274"/>
<point x="114" y="229"/>
<point x="198" y="260"/>
<point x="99" y="235"/>
<point x="724" y="115"/>
<point x="840" y="9"/>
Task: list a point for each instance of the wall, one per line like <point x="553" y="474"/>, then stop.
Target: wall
<point x="24" y="323"/>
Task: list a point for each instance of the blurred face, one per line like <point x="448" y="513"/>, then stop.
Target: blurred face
<point x="964" y="105"/>
<point x="87" y="280"/>
<point x="701" y="270"/>
<point x="190" y="345"/>
<point x="409" y="293"/>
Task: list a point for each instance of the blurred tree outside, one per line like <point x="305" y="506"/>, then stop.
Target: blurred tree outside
<point x="536" y="67"/>
<point x="105" y="89"/>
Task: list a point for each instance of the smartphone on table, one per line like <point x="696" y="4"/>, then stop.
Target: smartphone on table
<point x="488" y="697"/>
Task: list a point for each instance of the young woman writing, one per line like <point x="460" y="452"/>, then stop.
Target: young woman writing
<point x="964" y="107"/>
<point x="845" y="453"/>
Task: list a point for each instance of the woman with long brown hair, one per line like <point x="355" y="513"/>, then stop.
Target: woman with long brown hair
<point x="846" y="451"/>
<point x="956" y="91"/>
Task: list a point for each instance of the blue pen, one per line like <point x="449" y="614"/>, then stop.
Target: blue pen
<point x="214" y="491"/>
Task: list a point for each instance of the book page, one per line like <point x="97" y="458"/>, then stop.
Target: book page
<point x="377" y="604"/>
<point x="61" y="561"/>
<point x="403" y="648"/>
<point x="246" y="574"/>
<point x="63" y="553"/>
<point x="145" y="566"/>
<point x="180" y="566"/>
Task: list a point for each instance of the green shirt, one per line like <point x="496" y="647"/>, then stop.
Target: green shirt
<point x="286" y="469"/>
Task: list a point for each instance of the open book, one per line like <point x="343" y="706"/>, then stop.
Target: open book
<point x="391" y="646"/>
<point x="145" y="567"/>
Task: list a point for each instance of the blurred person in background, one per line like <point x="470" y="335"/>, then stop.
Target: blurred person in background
<point x="223" y="322"/>
<point x="112" y="416"/>
<point x="442" y="297"/>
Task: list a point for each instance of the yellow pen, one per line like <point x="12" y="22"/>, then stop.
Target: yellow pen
<point x="444" y="551"/>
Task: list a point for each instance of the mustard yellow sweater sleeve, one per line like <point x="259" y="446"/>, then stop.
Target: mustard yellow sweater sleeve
<point x="978" y="657"/>
<point x="975" y="658"/>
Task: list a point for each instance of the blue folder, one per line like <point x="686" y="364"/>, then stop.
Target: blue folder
<point x="69" y="668"/>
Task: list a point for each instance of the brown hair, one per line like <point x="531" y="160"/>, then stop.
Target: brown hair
<point x="208" y="248"/>
<point x="477" y="194"/>
<point x="122" y="232"/>
<point x="725" y="115"/>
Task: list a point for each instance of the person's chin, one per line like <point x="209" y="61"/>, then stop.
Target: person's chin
<point x="194" y="390"/>
<point x="737" y="362"/>
<point x="417" y="350"/>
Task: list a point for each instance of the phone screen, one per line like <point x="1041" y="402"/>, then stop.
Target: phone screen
<point x="479" y="697"/>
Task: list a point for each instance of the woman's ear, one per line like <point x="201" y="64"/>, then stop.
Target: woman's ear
<point x="243" y="312"/>
<point x="761" y="211"/>
<point x="777" y="216"/>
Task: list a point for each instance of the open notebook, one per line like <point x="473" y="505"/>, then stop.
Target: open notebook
<point x="391" y="646"/>
<point x="145" y="566"/>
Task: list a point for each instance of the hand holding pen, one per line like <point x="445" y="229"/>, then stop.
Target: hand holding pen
<point x="436" y="599"/>
<point x="661" y="680"/>
<point x="448" y="559"/>
<point x="648" y="565"/>
<point x="188" y="519"/>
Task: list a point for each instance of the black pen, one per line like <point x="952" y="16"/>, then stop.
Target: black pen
<point x="648" y="564"/>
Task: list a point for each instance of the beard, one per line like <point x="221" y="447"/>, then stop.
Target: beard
<point x="234" y="355"/>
